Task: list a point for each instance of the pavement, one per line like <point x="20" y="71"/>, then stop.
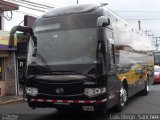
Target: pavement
<point x="10" y="99"/>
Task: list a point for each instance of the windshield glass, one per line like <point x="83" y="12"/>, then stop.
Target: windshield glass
<point x="76" y="46"/>
<point x="65" y="43"/>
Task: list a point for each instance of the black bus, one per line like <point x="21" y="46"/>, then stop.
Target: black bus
<point x="84" y="57"/>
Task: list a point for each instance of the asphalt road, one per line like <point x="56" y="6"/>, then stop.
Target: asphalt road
<point x="145" y="105"/>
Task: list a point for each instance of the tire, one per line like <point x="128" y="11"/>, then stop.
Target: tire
<point x="61" y="110"/>
<point x="145" y="91"/>
<point x="122" y="100"/>
<point x="64" y="109"/>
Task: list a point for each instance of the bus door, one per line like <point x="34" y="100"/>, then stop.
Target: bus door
<point x="111" y="66"/>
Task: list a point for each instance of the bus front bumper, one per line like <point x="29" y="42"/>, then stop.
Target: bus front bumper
<point x="77" y="105"/>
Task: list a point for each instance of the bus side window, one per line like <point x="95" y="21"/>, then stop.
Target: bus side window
<point x="112" y="53"/>
<point x="112" y="57"/>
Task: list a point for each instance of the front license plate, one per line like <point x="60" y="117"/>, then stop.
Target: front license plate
<point x="62" y="103"/>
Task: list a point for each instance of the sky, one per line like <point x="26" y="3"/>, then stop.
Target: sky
<point x="147" y="11"/>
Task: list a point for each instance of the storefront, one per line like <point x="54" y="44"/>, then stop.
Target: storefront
<point x="3" y="56"/>
<point x="7" y="66"/>
<point x="7" y="55"/>
<point x="1" y="76"/>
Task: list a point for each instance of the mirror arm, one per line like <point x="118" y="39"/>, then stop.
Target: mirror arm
<point x="103" y="21"/>
<point x="22" y="29"/>
<point x="25" y="30"/>
<point x="34" y="40"/>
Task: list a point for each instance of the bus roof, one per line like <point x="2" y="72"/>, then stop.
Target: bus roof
<point x="73" y="9"/>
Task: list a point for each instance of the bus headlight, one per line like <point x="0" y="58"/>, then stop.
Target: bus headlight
<point x="91" y="92"/>
<point x="31" y="91"/>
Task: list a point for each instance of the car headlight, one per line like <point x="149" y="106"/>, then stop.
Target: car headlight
<point x="91" y="92"/>
<point x="31" y="91"/>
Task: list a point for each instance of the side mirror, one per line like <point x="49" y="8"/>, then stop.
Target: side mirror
<point x="103" y="21"/>
<point x="24" y="29"/>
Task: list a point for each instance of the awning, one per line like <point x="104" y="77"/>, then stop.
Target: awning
<point x="7" y="6"/>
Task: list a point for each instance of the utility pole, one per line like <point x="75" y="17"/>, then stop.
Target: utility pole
<point x="139" y="25"/>
<point x="77" y="1"/>
<point x="156" y="42"/>
<point x="147" y="31"/>
<point x="151" y="35"/>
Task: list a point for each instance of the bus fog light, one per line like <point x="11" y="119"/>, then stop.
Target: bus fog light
<point x="103" y="90"/>
<point x="97" y="91"/>
<point x="91" y="92"/>
<point x="31" y="91"/>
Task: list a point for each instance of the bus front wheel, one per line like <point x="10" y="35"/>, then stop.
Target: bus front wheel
<point x="145" y="91"/>
<point x="122" y="100"/>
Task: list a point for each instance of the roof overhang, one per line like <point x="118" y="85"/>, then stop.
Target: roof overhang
<point x="8" y="6"/>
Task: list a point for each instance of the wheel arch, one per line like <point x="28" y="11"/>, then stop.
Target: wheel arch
<point x="125" y="83"/>
<point x="148" y="77"/>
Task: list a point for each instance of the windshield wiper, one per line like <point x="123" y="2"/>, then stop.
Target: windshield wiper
<point x="72" y="71"/>
<point x="43" y="73"/>
<point x="60" y="72"/>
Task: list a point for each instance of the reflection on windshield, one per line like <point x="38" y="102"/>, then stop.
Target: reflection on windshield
<point x="76" y="46"/>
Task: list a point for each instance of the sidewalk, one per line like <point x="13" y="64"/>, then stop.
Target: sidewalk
<point x="10" y="99"/>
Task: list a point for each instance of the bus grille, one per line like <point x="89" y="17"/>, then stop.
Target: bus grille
<point x="61" y="89"/>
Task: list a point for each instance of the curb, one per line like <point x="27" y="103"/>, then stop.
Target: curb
<point x="11" y="101"/>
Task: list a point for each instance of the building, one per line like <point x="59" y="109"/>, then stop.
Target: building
<point x="8" y="85"/>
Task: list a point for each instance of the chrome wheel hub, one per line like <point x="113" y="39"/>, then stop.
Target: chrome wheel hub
<point x="147" y="87"/>
<point x="123" y="96"/>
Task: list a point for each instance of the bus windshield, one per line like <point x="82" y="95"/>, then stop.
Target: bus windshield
<point x="64" y="41"/>
<point x="77" y="46"/>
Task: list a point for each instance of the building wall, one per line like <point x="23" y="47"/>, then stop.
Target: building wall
<point x="2" y="83"/>
<point x="2" y="88"/>
<point x="8" y="80"/>
<point x="8" y="83"/>
<point x="10" y="74"/>
<point x="2" y="80"/>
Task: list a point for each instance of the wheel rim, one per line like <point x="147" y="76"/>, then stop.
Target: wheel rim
<point x="147" y="87"/>
<point x="123" y="96"/>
